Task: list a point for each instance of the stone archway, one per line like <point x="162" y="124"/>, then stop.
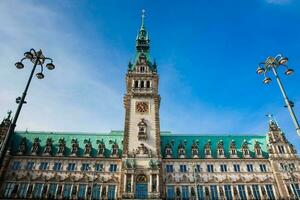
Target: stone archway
<point x="141" y="187"/>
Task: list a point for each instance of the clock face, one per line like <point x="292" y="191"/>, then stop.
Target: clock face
<point x="142" y="107"/>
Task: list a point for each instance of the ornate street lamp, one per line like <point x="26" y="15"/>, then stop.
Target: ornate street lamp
<point x="38" y="59"/>
<point x="270" y="64"/>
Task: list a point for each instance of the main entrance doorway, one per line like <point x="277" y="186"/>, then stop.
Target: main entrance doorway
<point x="141" y="187"/>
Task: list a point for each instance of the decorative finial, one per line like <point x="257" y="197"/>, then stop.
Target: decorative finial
<point x="9" y="114"/>
<point x="270" y="116"/>
<point x="143" y="17"/>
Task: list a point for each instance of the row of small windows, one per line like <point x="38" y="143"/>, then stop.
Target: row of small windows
<point x="16" y="165"/>
<point x="211" y="168"/>
<point x="53" y="190"/>
<point x="221" y="192"/>
<point x="142" y="84"/>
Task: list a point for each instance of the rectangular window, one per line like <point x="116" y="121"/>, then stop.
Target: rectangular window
<point x="16" y="165"/>
<point x="52" y="191"/>
<point x="23" y="190"/>
<point x="71" y="167"/>
<point x="111" y="192"/>
<point x="256" y="193"/>
<point x="37" y="191"/>
<point x="242" y="192"/>
<point x="43" y="165"/>
<point x="185" y="192"/>
<point x="96" y="192"/>
<point x="113" y="168"/>
<point x="223" y="168"/>
<point x="67" y="191"/>
<point x="183" y="168"/>
<point x="236" y="168"/>
<point x="30" y="165"/>
<point x="85" y="167"/>
<point x="198" y="168"/>
<point x="281" y="149"/>
<point x="169" y="168"/>
<point x="8" y="189"/>
<point x="81" y="191"/>
<point x="200" y="191"/>
<point x="170" y="192"/>
<point x="210" y="168"/>
<point x="249" y="167"/>
<point x="263" y="168"/>
<point x="228" y="193"/>
<point x="99" y="167"/>
<point x="57" y="166"/>
<point x="213" y="192"/>
<point x="270" y="192"/>
<point x="296" y="189"/>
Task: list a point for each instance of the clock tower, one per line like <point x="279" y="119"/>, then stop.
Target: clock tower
<point x="141" y="147"/>
<point x="142" y="100"/>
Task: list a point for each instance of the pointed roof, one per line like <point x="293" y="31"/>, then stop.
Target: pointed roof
<point x="142" y="47"/>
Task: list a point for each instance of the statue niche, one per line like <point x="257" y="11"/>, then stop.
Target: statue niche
<point x="142" y="135"/>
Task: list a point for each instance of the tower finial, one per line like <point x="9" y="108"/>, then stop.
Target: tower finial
<point x="143" y="18"/>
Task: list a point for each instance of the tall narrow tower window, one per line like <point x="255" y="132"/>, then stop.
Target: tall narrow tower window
<point x="136" y="84"/>
<point x="148" y="84"/>
<point x="142" y="84"/>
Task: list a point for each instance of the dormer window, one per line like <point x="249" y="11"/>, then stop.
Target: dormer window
<point x="48" y="148"/>
<point x="22" y="146"/>
<point x="181" y="150"/>
<point x="101" y="148"/>
<point x="142" y="69"/>
<point x="220" y="149"/>
<point x="207" y="149"/>
<point x="168" y="150"/>
<point x="195" y="150"/>
<point x="88" y="147"/>
<point x="257" y="150"/>
<point x="142" y="126"/>
<point x="233" y="151"/>
<point x="245" y="149"/>
<point x="61" y="147"/>
<point x="115" y="149"/>
<point x="74" y="147"/>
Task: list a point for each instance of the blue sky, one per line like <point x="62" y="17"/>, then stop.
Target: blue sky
<point x="207" y="53"/>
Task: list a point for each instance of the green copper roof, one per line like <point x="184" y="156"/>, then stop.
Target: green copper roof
<point x="188" y="140"/>
<point x="117" y="137"/>
<point x="142" y="48"/>
<point x="107" y="138"/>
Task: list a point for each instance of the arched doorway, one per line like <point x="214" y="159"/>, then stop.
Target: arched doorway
<point x="141" y="187"/>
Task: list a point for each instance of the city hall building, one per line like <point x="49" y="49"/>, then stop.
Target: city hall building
<point x="142" y="162"/>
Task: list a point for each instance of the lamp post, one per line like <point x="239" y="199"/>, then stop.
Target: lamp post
<point x="270" y="64"/>
<point x="38" y="59"/>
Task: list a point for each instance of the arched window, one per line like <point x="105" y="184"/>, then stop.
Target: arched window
<point x="142" y="84"/>
<point x="136" y="84"/>
<point x="148" y="84"/>
<point x="142" y="68"/>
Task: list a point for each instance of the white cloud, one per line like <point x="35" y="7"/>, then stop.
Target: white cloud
<point x="280" y="2"/>
<point x="71" y="97"/>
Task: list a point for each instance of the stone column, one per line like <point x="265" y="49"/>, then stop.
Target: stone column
<point x="125" y="182"/>
<point x="157" y="181"/>
<point x="132" y="183"/>
<point x="150" y="182"/>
